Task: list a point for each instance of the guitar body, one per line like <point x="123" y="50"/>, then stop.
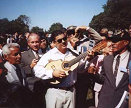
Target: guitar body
<point x="59" y="65"/>
<point x="54" y="64"/>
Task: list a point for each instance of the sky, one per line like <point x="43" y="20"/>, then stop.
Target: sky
<point x="43" y="13"/>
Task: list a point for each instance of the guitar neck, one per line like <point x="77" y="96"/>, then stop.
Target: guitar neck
<point x="97" y="48"/>
<point x="77" y="59"/>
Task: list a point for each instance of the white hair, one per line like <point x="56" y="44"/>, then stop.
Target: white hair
<point x="31" y="35"/>
<point x="6" y="50"/>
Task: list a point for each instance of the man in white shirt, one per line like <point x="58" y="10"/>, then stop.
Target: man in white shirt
<point x="59" y="95"/>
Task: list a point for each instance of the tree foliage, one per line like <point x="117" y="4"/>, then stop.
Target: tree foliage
<point x="116" y="15"/>
<point x="4" y="23"/>
<point x="55" y="26"/>
<point x="38" y="30"/>
<point x="23" y="19"/>
<point x="19" y="25"/>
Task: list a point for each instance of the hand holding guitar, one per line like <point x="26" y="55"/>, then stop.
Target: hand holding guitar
<point x="59" y="74"/>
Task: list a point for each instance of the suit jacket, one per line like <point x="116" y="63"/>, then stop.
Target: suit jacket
<point x="110" y="95"/>
<point x="26" y="60"/>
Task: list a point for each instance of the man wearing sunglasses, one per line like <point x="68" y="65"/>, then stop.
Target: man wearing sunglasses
<point x="60" y="95"/>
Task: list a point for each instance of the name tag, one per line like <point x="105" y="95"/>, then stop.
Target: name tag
<point x="123" y="69"/>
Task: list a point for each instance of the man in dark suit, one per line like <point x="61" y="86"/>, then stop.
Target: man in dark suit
<point x="28" y="61"/>
<point x="114" y="73"/>
<point x="30" y="58"/>
<point x="114" y="76"/>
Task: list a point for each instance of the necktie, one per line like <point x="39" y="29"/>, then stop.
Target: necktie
<point x="117" y="65"/>
<point x="37" y="56"/>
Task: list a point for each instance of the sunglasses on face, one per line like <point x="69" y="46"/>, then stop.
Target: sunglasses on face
<point x="60" y="40"/>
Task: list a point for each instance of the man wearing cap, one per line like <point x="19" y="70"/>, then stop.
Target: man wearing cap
<point x="114" y="75"/>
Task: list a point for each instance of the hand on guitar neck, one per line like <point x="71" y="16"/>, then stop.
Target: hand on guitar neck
<point x="96" y="49"/>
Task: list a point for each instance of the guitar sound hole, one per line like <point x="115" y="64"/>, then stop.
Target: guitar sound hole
<point x="66" y="65"/>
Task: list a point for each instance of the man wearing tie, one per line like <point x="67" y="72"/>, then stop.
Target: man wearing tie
<point x="114" y="75"/>
<point x="29" y="60"/>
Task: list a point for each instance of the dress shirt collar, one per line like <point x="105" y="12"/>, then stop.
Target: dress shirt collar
<point x="123" y="55"/>
<point x="39" y="52"/>
<point x="57" y="51"/>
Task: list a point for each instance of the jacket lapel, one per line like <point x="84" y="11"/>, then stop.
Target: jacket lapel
<point x="124" y="79"/>
<point x="109" y="70"/>
<point x="31" y="55"/>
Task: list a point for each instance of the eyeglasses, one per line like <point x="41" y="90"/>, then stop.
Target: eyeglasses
<point x="60" y="40"/>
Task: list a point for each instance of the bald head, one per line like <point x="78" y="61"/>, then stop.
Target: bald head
<point x="32" y="35"/>
<point x="34" y="41"/>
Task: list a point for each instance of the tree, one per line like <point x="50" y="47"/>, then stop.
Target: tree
<point x="19" y="25"/>
<point x="55" y="26"/>
<point x="4" y="25"/>
<point x="116" y="15"/>
<point x="23" y="19"/>
<point x="38" y="30"/>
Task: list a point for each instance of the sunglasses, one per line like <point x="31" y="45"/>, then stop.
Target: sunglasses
<point x="60" y="40"/>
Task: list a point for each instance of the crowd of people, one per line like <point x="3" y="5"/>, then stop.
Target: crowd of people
<point x="75" y="67"/>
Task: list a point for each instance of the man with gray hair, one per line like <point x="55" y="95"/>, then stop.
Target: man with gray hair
<point x="12" y="56"/>
<point x="19" y="95"/>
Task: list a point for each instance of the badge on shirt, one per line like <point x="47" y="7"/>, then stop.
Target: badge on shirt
<point x="123" y="69"/>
